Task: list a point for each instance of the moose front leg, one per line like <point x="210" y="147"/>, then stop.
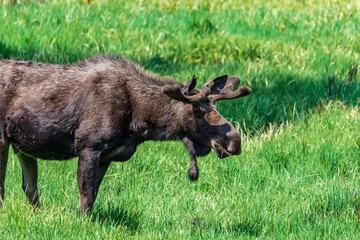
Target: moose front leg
<point x="193" y="170"/>
<point x="103" y="166"/>
<point x="87" y="177"/>
<point x="195" y="149"/>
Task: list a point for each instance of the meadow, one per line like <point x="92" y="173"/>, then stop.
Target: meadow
<point x="298" y="176"/>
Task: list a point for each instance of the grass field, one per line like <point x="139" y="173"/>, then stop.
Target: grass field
<point x="298" y="175"/>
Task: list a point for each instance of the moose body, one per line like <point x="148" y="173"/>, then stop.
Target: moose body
<point x="100" y="110"/>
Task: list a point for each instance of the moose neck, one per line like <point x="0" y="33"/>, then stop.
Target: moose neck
<point x="159" y="117"/>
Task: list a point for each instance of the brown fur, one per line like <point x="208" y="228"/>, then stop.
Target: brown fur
<point x="99" y="110"/>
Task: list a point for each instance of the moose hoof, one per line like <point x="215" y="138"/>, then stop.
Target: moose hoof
<point x="193" y="173"/>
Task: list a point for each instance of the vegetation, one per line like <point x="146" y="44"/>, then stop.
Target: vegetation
<point x="298" y="176"/>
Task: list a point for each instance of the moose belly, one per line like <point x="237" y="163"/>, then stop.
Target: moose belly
<point x="40" y="139"/>
<point x="121" y="153"/>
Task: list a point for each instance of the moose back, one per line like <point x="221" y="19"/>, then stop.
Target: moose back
<point x="100" y="110"/>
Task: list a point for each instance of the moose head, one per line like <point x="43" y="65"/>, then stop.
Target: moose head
<point x="208" y="129"/>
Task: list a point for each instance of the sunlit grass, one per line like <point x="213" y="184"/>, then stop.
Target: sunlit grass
<point x="298" y="174"/>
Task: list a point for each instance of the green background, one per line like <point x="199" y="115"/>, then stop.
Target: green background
<point x="298" y="175"/>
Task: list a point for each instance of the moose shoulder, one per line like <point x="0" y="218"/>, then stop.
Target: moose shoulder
<point x="100" y="110"/>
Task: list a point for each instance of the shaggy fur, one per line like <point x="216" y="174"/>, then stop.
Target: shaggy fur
<point x="99" y="110"/>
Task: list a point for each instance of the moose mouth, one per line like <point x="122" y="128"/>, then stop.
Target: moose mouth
<point x="220" y="151"/>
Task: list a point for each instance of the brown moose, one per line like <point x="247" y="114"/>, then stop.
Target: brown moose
<point x="100" y="110"/>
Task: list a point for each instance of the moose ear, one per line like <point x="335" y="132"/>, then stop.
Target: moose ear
<point x="217" y="84"/>
<point x="189" y="86"/>
<point x="174" y="91"/>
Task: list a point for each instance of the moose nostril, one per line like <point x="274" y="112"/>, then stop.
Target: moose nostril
<point x="234" y="147"/>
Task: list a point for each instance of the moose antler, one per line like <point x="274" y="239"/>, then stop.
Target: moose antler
<point x="181" y="94"/>
<point x="227" y="91"/>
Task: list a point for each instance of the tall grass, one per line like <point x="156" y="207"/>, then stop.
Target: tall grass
<point x="298" y="174"/>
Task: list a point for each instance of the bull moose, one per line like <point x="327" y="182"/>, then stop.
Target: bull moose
<point x="100" y="110"/>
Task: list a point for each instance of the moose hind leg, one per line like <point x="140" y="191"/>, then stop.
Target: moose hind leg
<point x="4" y="150"/>
<point x="29" y="178"/>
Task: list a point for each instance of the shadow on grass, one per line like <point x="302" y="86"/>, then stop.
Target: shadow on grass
<point x="160" y="64"/>
<point x="61" y="55"/>
<point x="5" y="51"/>
<point x="115" y="215"/>
<point x="277" y="97"/>
<point x="244" y="228"/>
<point x="288" y="97"/>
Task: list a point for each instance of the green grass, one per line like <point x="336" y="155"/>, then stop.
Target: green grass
<point x="298" y="176"/>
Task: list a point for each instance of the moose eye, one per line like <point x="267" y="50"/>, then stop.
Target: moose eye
<point x="199" y="113"/>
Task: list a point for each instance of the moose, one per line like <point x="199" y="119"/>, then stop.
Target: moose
<point x="100" y="110"/>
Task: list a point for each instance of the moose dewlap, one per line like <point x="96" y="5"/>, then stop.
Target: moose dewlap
<point x="100" y="110"/>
